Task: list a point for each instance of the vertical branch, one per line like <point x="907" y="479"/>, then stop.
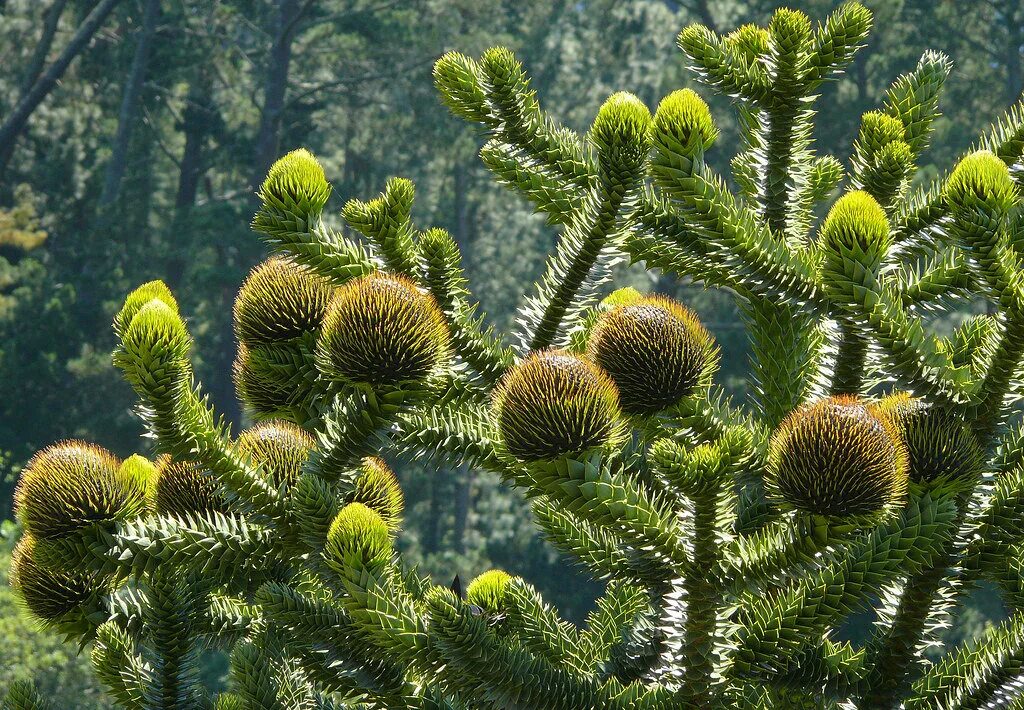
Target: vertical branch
<point x="852" y="348"/>
<point x="275" y="85"/>
<point x="51" y="20"/>
<point x="127" y="116"/>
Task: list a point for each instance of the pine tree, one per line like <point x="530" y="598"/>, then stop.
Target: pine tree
<point x="878" y="466"/>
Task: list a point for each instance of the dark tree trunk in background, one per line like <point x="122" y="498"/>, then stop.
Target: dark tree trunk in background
<point x="432" y="525"/>
<point x="463" y="495"/>
<point x="1015" y="38"/>
<point x="703" y="10"/>
<point x="460" y="207"/>
<point x="130" y="102"/>
<point x="17" y="119"/>
<point x="51" y="19"/>
<point x="275" y="85"/>
<point x="198" y="122"/>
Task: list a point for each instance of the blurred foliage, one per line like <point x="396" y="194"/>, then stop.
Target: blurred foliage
<point x="41" y="656"/>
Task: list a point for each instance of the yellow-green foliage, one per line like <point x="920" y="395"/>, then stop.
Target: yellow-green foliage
<point x="684" y="121"/>
<point x="357" y="533"/>
<point x="19" y="225"/>
<point x="856" y="230"/>
<point x="152" y="290"/>
<point x="622" y="129"/>
<point x="296" y="180"/>
<point x="981" y="179"/>
<point x="487" y="591"/>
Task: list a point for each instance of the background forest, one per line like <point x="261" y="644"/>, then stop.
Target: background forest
<point x="133" y="132"/>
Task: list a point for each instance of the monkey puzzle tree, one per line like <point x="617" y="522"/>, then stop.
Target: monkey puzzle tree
<point x="877" y="466"/>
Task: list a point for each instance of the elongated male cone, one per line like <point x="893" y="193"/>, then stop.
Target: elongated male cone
<point x="357" y="535"/>
<point x="72" y="484"/>
<point x="621" y="132"/>
<point x="555" y="403"/>
<point x="382" y="330"/>
<point x="656" y="351"/>
<point x="940" y="447"/>
<point x="183" y="487"/>
<point x="837" y="457"/>
<point x="377" y="488"/>
<point x="296" y="182"/>
<point x="487" y="591"/>
<point x="981" y="180"/>
<point x="280" y="300"/>
<point x="48" y="594"/>
<point x="279" y="448"/>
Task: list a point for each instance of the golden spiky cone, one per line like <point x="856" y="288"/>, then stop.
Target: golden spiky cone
<point x="655" y="350"/>
<point x="555" y="403"/>
<point x="487" y="591"/>
<point x="279" y="448"/>
<point x="279" y="301"/>
<point x="50" y="595"/>
<point x="837" y="457"/>
<point x="381" y="329"/>
<point x="261" y="383"/>
<point x="183" y="487"/>
<point x="72" y="484"/>
<point x="377" y="488"/>
<point x="940" y="447"/>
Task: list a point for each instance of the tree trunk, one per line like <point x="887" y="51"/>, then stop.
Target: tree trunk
<point x="461" y="208"/>
<point x="130" y="102"/>
<point x="1015" y="38"/>
<point x="463" y="480"/>
<point x="51" y="19"/>
<point x="432" y="527"/>
<point x="17" y="119"/>
<point x="197" y="123"/>
<point x="275" y="84"/>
